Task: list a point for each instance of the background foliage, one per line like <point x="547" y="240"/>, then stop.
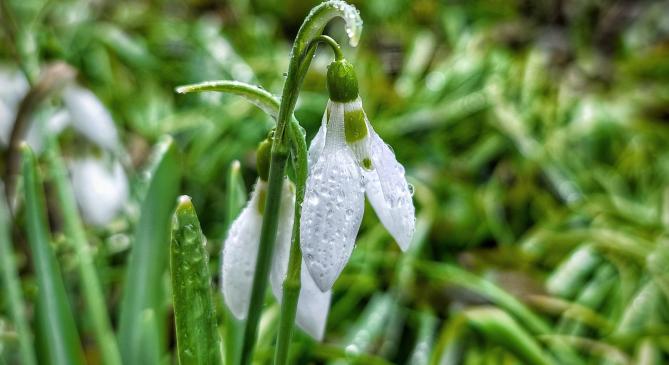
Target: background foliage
<point x="534" y="132"/>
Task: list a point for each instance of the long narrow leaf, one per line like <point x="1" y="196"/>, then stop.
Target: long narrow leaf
<point x="12" y="286"/>
<point x="54" y="316"/>
<point x="148" y="259"/>
<point x="74" y="229"/>
<point x="499" y="327"/>
<point x="198" y="342"/>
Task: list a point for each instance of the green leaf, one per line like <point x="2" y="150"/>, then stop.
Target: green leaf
<point x="54" y="316"/>
<point x="12" y="286"/>
<point x="499" y="327"/>
<point x="148" y="259"/>
<point x="198" y="341"/>
<point x="90" y="284"/>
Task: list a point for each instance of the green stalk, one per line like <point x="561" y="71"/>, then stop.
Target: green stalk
<point x="198" y="342"/>
<point x="292" y="284"/>
<point x="54" y="316"/>
<point x="12" y="286"/>
<point x="144" y="277"/>
<point x="74" y="229"/>
<point x="265" y="250"/>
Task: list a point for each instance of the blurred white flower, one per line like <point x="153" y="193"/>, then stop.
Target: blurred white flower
<point x="101" y="189"/>
<point x="347" y="159"/>
<point x="90" y="117"/>
<point x="240" y="252"/>
<point x="14" y="87"/>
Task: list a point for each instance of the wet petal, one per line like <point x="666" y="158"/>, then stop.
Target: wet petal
<point x="312" y="305"/>
<point x="100" y="190"/>
<point x="90" y="117"/>
<point x="332" y="209"/>
<point x="389" y="193"/>
<point x="318" y="142"/>
<point x="240" y="252"/>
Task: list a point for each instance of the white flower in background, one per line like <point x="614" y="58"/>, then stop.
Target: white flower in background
<point x="101" y="189"/>
<point x="240" y="252"/>
<point x="13" y="87"/>
<point x="346" y="160"/>
<point x="90" y="117"/>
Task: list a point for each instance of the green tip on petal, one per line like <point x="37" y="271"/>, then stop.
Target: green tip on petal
<point x="367" y="164"/>
<point x="341" y="81"/>
<point x="355" y="128"/>
<point x="263" y="158"/>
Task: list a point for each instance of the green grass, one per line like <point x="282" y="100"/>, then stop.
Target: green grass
<point x="535" y="137"/>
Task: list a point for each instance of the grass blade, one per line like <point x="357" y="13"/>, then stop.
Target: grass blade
<point x="74" y="230"/>
<point x="195" y="320"/>
<point x="54" y="317"/>
<point x="497" y="326"/>
<point x="12" y="286"/>
<point x="147" y="262"/>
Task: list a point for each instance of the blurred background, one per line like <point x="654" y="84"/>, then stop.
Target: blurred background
<point x="535" y="134"/>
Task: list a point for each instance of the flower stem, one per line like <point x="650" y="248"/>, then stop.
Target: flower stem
<point x="292" y="284"/>
<point x="265" y="250"/>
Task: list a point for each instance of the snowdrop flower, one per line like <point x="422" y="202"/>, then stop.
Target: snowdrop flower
<point x="240" y="252"/>
<point x="347" y="160"/>
<point x="101" y="189"/>
<point x="90" y="117"/>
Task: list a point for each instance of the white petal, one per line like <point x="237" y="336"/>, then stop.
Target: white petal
<point x="333" y="207"/>
<point x="7" y="116"/>
<point x="389" y="193"/>
<point x="100" y="190"/>
<point x="283" y="238"/>
<point x="312" y="305"/>
<point x="90" y="117"/>
<point x="54" y="124"/>
<point x="14" y="86"/>
<point x="240" y="251"/>
<point x="318" y="142"/>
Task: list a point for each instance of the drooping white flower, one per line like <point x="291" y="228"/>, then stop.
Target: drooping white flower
<point x="90" y="117"/>
<point x="240" y="253"/>
<point x="346" y="160"/>
<point x="101" y="189"/>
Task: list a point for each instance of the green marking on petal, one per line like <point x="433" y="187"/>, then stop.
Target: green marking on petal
<point x="367" y="163"/>
<point x="355" y="127"/>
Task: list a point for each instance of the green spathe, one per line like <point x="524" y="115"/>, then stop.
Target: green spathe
<point x="341" y="81"/>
